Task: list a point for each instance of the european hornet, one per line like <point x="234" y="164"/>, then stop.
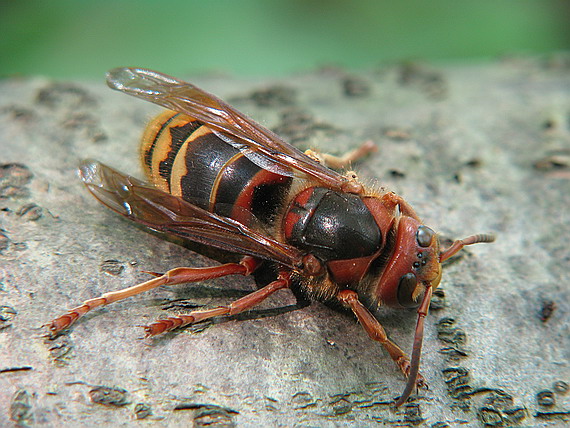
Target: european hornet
<point x="218" y="178"/>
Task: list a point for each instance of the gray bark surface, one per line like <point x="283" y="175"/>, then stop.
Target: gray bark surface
<point x="472" y="149"/>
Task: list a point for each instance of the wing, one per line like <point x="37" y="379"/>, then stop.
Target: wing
<point x="259" y="144"/>
<point x="164" y="212"/>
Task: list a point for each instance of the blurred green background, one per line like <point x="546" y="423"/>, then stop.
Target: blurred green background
<point x="83" y="39"/>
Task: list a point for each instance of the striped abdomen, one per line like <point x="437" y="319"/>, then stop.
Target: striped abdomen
<point x="183" y="157"/>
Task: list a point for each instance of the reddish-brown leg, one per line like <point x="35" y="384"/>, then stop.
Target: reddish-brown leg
<point x="240" y="305"/>
<point x="376" y="332"/>
<point x="391" y="200"/>
<point x="179" y="275"/>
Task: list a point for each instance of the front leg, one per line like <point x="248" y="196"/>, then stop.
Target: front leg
<point x="392" y="200"/>
<point x="376" y="332"/>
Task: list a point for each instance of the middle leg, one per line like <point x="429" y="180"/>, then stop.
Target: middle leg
<point x="345" y="160"/>
<point x="174" y="276"/>
<point x="240" y="305"/>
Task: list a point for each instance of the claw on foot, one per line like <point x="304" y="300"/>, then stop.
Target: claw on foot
<point x="59" y="324"/>
<point x="162" y="326"/>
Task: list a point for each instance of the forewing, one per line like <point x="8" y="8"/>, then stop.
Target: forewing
<point x="259" y="144"/>
<point x="161" y="211"/>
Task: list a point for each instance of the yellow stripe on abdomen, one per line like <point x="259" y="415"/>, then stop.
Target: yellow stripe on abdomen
<point x="161" y="142"/>
<point x="179" y="168"/>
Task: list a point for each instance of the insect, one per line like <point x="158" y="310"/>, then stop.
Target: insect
<point x="217" y="178"/>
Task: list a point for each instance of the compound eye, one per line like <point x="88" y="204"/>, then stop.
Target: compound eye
<point x="406" y="288"/>
<point x="424" y="236"/>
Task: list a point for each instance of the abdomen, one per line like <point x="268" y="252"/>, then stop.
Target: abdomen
<point x="183" y="157"/>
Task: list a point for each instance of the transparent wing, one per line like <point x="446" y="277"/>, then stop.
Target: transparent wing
<point x="259" y="144"/>
<point x="144" y="204"/>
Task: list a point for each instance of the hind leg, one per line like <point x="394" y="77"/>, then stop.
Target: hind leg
<point x="179" y="275"/>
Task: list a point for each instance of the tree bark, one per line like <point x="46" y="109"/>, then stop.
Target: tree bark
<point x="472" y="149"/>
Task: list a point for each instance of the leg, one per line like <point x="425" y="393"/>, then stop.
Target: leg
<point x="344" y="161"/>
<point x="240" y="305"/>
<point x="391" y="200"/>
<point x="375" y="330"/>
<point x="175" y="276"/>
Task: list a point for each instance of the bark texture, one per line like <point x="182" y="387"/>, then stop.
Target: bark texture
<point x="473" y="149"/>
